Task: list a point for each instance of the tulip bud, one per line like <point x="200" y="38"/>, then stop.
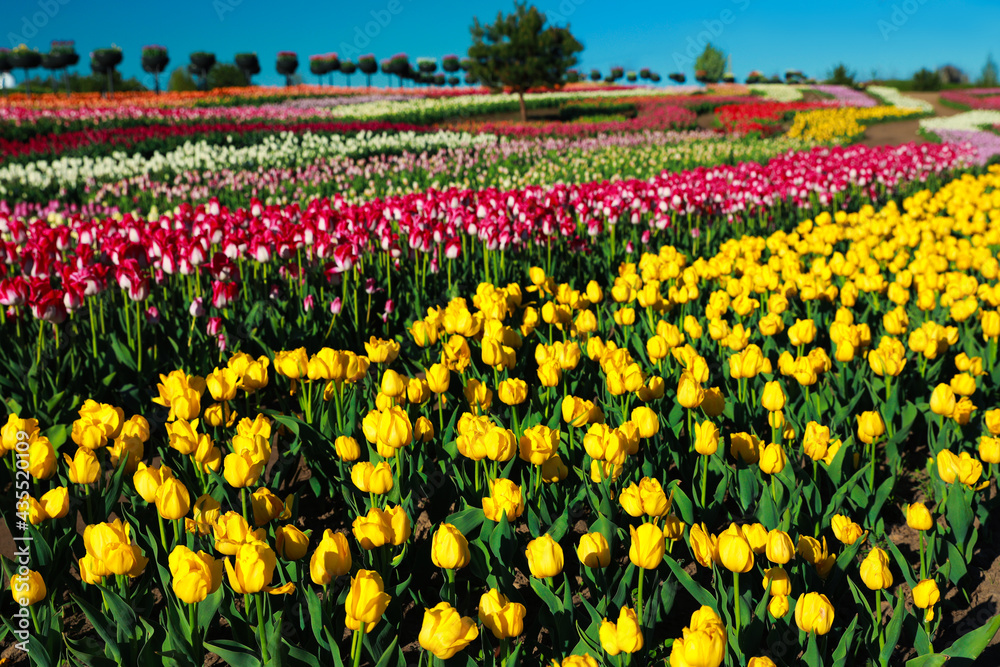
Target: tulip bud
<point x="172" y="499"/>
<point x="545" y="557"/>
<point x="445" y="632"/>
<point x="875" y="571"/>
<point x="773" y="398"/>
<point x="943" y="400"/>
<point x="290" y="542"/>
<point x="347" y="448"/>
<point x="870" y="427"/>
<point x="814" y="613"/>
<point x="593" y="550"/>
<point x="918" y="517"/>
<point x="27" y="588"/>
<point x="779" y="547"/>
<point x="772" y="459"/>
<point x="735" y="553"/>
<point x="648" y="546"/>
<point x="195" y="575"/>
<point x="331" y="559"/>
<point x="366" y="601"/>
<point x="706" y="438"/>
<point x="646" y="420"/>
<point x="925" y="596"/>
<point x="450" y="548"/>
<point x="503" y="618"/>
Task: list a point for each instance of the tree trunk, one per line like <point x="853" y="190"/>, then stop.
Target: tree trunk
<point x="27" y="84"/>
<point x="369" y="81"/>
<point x="66" y="81"/>
<point x="111" y="84"/>
<point x="524" y="110"/>
<point x="156" y="80"/>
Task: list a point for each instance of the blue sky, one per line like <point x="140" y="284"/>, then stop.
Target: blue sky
<point x="891" y="37"/>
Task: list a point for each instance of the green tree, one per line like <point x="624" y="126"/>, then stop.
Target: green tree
<point x="841" y="76"/>
<point x="520" y="51"/>
<point x="181" y="81"/>
<point x="710" y="65"/>
<point x="226" y="75"/>
<point x="926" y="79"/>
<point x="988" y="78"/>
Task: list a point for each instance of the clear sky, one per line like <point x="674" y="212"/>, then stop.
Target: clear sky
<point x="892" y="38"/>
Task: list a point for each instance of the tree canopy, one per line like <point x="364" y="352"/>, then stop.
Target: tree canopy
<point x="521" y="51"/>
<point x="710" y="65"/>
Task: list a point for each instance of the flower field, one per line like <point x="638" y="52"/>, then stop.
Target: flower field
<point x="316" y="377"/>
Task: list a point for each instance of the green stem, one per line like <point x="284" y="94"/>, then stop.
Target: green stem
<point x="638" y="611"/>
<point x="356" y="645"/>
<point x="736" y="599"/>
<point x="923" y="565"/>
<point x="877" y="618"/>
<point x="704" y="478"/>
<point x="163" y="533"/>
<point x="260" y="626"/>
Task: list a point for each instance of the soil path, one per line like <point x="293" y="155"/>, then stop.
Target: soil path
<point x="904" y="131"/>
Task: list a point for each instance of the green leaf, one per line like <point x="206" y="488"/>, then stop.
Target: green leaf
<point x="840" y="655"/>
<point x="893" y="631"/>
<point x="467" y="520"/>
<point x="558" y="529"/>
<point x="811" y="657"/>
<point x="690" y="585"/>
<point x="306" y="657"/>
<point x="969" y="647"/>
<point x="233" y="653"/>
<point x="549" y="599"/>
<point x="208" y="609"/>
<point x="383" y="661"/>
<point x="932" y="660"/>
<point x="959" y="513"/>
<point x="97" y="619"/>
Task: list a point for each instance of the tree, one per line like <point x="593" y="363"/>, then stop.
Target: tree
<point x="347" y="68"/>
<point x="249" y="65"/>
<point x="201" y="63"/>
<point x="399" y="65"/>
<point x="450" y="64"/>
<point x="368" y="66"/>
<point x="519" y="52"/>
<point x="104" y="61"/>
<point x="925" y="79"/>
<point x="286" y="64"/>
<point x="181" y="82"/>
<point x="27" y="59"/>
<point x="711" y="64"/>
<point x="226" y="75"/>
<point x="677" y="77"/>
<point x="988" y="78"/>
<point x="155" y="61"/>
<point x="426" y="67"/>
<point x="595" y="75"/>
<point x="841" y="76"/>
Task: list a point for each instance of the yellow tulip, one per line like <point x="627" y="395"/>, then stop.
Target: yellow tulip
<point x="445" y="632"/>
